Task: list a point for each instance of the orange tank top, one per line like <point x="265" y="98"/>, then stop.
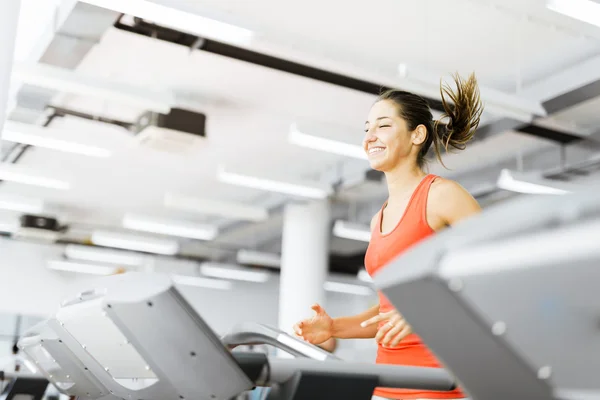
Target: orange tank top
<point x="382" y="249"/>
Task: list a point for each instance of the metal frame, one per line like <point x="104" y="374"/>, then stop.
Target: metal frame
<point x="182" y="353"/>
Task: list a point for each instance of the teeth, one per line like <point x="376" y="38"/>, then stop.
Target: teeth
<point x="376" y="150"/>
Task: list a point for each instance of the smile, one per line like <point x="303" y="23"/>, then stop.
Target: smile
<point x="375" y="150"/>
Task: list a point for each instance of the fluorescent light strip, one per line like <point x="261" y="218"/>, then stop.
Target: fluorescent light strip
<point x="327" y="145"/>
<point x="216" y="207"/>
<point x="507" y="181"/>
<point x="38" y="136"/>
<point x="21" y="204"/>
<point x="216" y="270"/>
<point x="16" y="174"/>
<point x="251" y="257"/>
<point x="201" y="282"/>
<point x="67" y="81"/>
<point x="347" y="288"/>
<point x="169" y="227"/>
<point x="135" y="243"/>
<point x="583" y="10"/>
<point x="177" y="19"/>
<point x="351" y="231"/>
<point x="313" y="192"/>
<point x="108" y="256"/>
<point x="83" y="268"/>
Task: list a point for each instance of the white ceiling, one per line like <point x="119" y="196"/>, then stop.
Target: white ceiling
<point x="250" y="108"/>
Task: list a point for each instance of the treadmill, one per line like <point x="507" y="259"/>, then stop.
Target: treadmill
<point x="135" y="337"/>
<point x="509" y="300"/>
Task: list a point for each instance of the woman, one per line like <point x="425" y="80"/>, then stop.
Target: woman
<point x="400" y="130"/>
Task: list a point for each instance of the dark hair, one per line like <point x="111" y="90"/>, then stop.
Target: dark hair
<point x="462" y="108"/>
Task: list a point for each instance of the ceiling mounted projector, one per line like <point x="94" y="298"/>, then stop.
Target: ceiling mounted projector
<point x="179" y="131"/>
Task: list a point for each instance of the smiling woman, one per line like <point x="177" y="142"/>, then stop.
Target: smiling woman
<point x="400" y="130"/>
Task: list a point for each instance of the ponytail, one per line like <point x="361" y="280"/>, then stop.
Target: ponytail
<point x="462" y="109"/>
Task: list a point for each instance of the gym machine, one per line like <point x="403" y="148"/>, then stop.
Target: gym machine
<point x="509" y="300"/>
<point x="135" y="337"/>
<point x="19" y="386"/>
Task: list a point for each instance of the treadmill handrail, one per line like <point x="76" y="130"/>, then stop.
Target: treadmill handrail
<point x="390" y="376"/>
<point x="252" y="333"/>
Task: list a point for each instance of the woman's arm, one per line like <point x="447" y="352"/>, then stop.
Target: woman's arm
<point x="350" y="327"/>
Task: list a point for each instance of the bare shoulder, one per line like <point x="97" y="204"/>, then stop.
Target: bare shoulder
<point x="451" y="202"/>
<point x="442" y="187"/>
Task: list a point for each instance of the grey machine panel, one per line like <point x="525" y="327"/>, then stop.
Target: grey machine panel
<point x="138" y="338"/>
<point x="255" y="333"/>
<point x="509" y="300"/>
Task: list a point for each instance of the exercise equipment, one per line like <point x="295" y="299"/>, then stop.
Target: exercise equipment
<point x="508" y="300"/>
<point x="252" y="333"/>
<point x="134" y="336"/>
<point x="21" y="385"/>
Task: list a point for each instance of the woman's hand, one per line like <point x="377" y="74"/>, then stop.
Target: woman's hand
<point x="317" y="329"/>
<point x="393" y="331"/>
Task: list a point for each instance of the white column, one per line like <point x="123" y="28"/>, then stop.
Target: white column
<point x="304" y="260"/>
<point x="9" y="19"/>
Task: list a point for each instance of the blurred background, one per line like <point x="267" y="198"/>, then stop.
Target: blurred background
<point x="220" y="141"/>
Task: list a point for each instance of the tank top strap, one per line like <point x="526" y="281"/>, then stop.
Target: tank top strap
<point x="419" y="201"/>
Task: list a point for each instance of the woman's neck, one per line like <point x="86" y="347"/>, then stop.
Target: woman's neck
<point x="402" y="180"/>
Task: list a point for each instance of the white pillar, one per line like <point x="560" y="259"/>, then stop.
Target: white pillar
<point x="9" y="19"/>
<point x="304" y="260"/>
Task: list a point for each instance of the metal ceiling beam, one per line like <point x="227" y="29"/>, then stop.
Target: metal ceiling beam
<point x="573" y="97"/>
<point x="194" y="42"/>
<point x="241" y="54"/>
<point x="66" y="42"/>
<point x="561" y="102"/>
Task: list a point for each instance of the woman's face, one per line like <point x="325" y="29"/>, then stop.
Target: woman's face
<point x="387" y="138"/>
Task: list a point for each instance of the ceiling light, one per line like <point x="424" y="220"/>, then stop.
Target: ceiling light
<point x="169" y="227"/>
<point x="251" y="257"/>
<point x="135" y="243"/>
<point x="348" y="230"/>
<point x="347" y="288"/>
<point x="583" y="10"/>
<point x="327" y="145"/>
<point x="216" y="207"/>
<point x="234" y="272"/>
<point x="21" y="204"/>
<point x="18" y="174"/>
<point x="201" y="282"/>
<point x="177" y="19"/>
<point x="68" y="81"/>
<point x="83" y="268"/>
<point x="37" y="136"/>
<point x="108" y="256"/>
<point x="515" y="182"/>
<point x="300" y="190"/>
